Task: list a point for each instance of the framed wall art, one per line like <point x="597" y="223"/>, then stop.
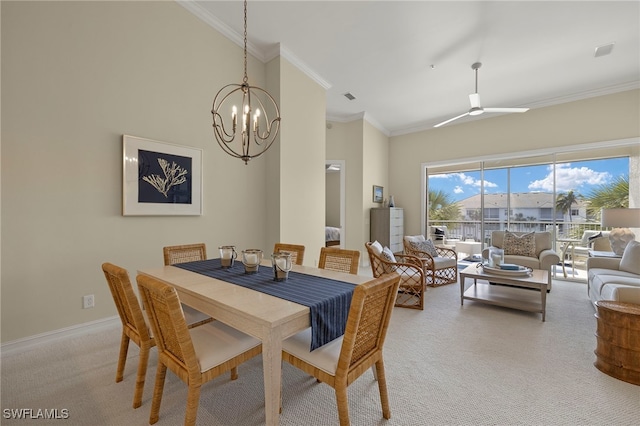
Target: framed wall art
<point x="377" y="194"/>
<point x="160" y="179"/>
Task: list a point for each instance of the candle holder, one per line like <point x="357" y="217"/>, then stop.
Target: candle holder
<point x="496" y="257"/>
<point x="282" y="264"/>
<point x="228" y="255"/>
<point x="251" y="259"/>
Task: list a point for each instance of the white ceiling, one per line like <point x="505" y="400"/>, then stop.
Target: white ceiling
<point x="408" y="63"/>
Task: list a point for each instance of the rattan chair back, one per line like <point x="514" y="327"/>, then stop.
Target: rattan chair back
<point x="341" y="260"/>
<point x="134" y="326"/>
<point x="184" y="253"/>
<point x="362" y="343"/>
<point x="297" y="251"/>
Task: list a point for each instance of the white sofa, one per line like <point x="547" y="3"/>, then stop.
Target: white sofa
<point x="615" y="278"/>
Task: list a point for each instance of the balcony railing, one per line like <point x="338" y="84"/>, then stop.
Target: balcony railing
<point x="471" y="230"/>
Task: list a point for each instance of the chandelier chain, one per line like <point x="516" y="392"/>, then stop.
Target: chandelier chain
<point x="245" y="79"/>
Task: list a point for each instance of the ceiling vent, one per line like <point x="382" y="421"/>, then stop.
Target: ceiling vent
<point x="349" y="96"/>
<point x="603" y="50"/>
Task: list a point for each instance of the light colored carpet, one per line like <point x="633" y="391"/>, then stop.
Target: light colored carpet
<point x="446" y="365"/>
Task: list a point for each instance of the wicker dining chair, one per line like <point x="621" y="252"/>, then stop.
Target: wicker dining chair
<point x="134" y="325"/>
<point x="412" y="278"/>
<point x="341" y="260"/>
<point x="340" y="362"/>
<point x="195" y="355"/>
<point x="182" y="254"/>
<point x="297" y="251"/>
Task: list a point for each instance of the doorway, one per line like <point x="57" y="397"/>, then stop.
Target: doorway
<point x="335" y="198"/>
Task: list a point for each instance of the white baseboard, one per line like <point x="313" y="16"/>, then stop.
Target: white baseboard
<point x="75" y="330"/>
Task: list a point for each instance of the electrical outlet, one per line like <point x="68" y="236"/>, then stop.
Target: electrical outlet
<point x="88" y="301"/>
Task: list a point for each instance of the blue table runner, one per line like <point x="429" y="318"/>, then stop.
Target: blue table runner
<point x="328" y="300"/>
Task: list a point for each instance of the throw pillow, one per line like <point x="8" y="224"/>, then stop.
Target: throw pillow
<point x="519" y="245"/>
<point x="630" y="261"/>
<point x="376" y="247"/>
<point x="387" y="255"/>
<point x="425" y="246"/>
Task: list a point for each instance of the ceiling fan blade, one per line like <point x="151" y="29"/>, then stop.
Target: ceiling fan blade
<point x="474" y="99"/>
<point x="506" y="109"/>
<point x="451" y="119"/>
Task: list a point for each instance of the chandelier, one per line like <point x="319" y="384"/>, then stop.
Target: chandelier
<point x="256" y="131"/>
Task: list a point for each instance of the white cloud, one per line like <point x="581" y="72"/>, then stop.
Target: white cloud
<point x="569" y="178"/>
<point x="458" y="190"/>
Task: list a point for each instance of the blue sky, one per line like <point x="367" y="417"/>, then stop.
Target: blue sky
<point x="580" y="176"/>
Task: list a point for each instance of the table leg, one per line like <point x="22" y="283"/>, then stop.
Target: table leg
<point x="543" y="297"/>
<point x="272" y="366"/>
<point x="462" y="290"/>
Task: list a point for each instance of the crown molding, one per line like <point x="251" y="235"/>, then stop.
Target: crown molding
<point x="221" y="27"/>
<point x="264" y="57"/>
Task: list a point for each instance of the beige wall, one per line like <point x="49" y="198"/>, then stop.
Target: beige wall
<point x="345" y="142"/>
<point x="551" y="129"/>
<point x="75" y="77"/>
<point x="301" y="177"/>
<point x="366" y="153"/>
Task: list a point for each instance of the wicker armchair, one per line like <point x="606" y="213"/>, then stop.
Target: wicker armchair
<point x="195" y="355"/>
<point x="341" y="260"/>
<point x="439" y="270"/>
<point x="182" y="254"/>
<point x="412" y="289"/>
<point x="342" y="361"/>
<point x="297" y="251"/>
<point x="134" y="325"/>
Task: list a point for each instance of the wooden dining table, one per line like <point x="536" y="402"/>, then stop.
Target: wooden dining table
<point x="265" y="317"/>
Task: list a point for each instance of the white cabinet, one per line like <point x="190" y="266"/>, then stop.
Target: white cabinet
<point x="387" y="227"/>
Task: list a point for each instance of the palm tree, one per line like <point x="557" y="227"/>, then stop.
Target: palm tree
<point x="565" y="201"/>
<point x="609" y="196"/>
<point x="442" y="207"/>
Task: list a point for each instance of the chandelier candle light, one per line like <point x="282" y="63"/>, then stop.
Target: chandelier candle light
<point x="256" y="131"/>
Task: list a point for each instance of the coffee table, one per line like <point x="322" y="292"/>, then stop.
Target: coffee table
<point x="516" y="295"/>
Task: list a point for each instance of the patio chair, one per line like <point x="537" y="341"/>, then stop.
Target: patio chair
<point x="440" y="264"/>
<point x="412" y="278"/>
<point x="341" y="260"/>
<point x="340" y="362"/>
<point x="196" y="355"/>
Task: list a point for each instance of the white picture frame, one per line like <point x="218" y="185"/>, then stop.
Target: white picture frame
<point x="160" y="179"/>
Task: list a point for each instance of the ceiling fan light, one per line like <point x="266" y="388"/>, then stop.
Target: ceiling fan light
<point x="476" y="111"/>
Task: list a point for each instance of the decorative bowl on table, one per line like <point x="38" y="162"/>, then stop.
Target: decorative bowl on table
<point x="506" y="269"/>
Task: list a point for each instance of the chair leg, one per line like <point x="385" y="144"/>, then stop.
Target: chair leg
<point x="122" y="359"/>
<point x="142" y="372"/>
<point x="382" y="387"/>
<point x="161" y="373"/>
<point x="193" y="399"/>
<point x="343" y="404"/>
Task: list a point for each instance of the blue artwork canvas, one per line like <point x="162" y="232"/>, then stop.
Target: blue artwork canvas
<point x="164" y="178"/>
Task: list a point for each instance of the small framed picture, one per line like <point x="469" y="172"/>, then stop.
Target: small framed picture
<point x="377" y="194"/>
<point x="160" y="178"/>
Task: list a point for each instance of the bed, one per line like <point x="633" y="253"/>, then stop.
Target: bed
<point x="331" y="236"/>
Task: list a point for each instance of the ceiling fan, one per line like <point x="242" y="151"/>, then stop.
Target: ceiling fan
<point x="476" y="108"/>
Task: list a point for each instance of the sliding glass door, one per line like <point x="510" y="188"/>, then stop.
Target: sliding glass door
<point x="561" y="193"/>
